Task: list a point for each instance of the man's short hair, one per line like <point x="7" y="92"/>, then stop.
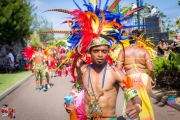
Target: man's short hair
<point x="162" y="40"/>
<point x="10" y="50"/>
<point x="39" y="48"/>
<point x="132" y="41"/>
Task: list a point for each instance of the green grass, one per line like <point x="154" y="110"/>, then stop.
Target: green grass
<point x="7" y="80"/>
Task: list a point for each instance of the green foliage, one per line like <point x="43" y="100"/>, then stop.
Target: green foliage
<point x="15" y="19"/>
<point x="167" y="71"/>
<point x="61" y="41"/>
<point x="58" y="42"/>
<point x="62" y="44"/>
<point x="161" y="63"/>
<point x="41" y="24"/>
<point x="178" y="59"/>
<point x="123" y="9"/>
<point x="35" y="41"/>
<point x="178" y="23"/>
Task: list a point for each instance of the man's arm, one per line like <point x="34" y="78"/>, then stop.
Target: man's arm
<point x="149" y="64"/>
<point x="79" y="68"/>
<point x="129" y="94"/>
<point x="119" y="61"/>
<point x="120" y="77"/>
<point x="32" y="59"/>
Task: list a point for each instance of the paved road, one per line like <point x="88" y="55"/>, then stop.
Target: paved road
<point x="32" y="105"/>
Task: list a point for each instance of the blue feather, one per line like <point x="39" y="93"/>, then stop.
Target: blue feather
<point x="99" y="6"/>
<point x="105" y="6"/>
<point x="141" y="3"/>
<point x="92" y="7"/>
<point x="77" y="5"/>
<point x="85" y="2"/>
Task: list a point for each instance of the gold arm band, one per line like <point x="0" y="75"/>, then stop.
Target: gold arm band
<point x="149" y="60"/>
<point x="118" y="61"/>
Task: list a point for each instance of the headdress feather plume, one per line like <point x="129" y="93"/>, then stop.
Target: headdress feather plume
<point x="93" y="23"/>
<point x="115" y="3"/>
<point x="59" y="10"/>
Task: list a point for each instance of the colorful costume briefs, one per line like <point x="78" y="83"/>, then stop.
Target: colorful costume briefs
<point x="52" y="64"/>
<point x="40" y="72"/>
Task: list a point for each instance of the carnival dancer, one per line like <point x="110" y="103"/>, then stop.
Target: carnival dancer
<point x="98" y="30"/>
<point x="39" y="69"/>
<point x="62" y="57"/>
<point x="134" y="60"/>
<point x="100" y="81"/>
<point x="51" y="59"/>
<point x="46" y="66"/>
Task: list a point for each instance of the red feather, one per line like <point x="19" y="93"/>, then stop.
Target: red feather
<point x="28" y="52"/>
<point x="109" y="60"/>
<point x="86" y="29"/>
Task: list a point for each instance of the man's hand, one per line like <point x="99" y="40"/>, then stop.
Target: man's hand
<point x="133" y="112"/>
<point x="83" y="58"/>
<point x="68" y="110"/>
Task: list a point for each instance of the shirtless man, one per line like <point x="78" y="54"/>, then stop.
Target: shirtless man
<point x="135" y="60"/>
<point x="101" y="83"/>
<point x="40" y="73"/>
<point x="62" y="57"/>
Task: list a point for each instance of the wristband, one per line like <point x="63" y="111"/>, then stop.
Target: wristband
<point x="139" y="106"/>
<point x="130" y="93"/>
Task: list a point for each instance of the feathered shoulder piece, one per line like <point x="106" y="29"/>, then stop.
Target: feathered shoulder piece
<point x="28" y="52"/>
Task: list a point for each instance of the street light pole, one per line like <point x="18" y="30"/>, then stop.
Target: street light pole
<point x="138" y="16"/>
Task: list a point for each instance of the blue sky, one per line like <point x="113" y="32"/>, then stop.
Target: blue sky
<point x="169" y="7"/>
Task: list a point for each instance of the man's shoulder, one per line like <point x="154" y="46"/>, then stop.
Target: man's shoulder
<point x="113" y="69"/>
<point x="84" y="68"/>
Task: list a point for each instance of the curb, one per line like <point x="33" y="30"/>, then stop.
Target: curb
<point x="11" y="89"/>
<point x="160" y="97"/>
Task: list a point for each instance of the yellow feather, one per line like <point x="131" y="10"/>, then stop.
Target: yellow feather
<point x="95" y="21"/>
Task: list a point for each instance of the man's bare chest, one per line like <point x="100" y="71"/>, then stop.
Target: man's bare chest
<point x="39" y="55"/>
<point x="95" y="82"/>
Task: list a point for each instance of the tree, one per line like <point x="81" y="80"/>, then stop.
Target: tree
<point x="15" y="19"/>
<point x="62" y="42"/>
<point x="35" y="41"/>
<point x="41" y="24"/>
<point x="178" y="23"/>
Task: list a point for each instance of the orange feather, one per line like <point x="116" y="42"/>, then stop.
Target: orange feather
<point x="113" y="5"/>
<point x="55" y="31"/>
<point x="60" y="10"/>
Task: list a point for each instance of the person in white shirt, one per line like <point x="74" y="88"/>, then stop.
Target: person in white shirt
<point x="133" y="7"/>
<point x="153" y="11"/>
<point x="11" y="60"/>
